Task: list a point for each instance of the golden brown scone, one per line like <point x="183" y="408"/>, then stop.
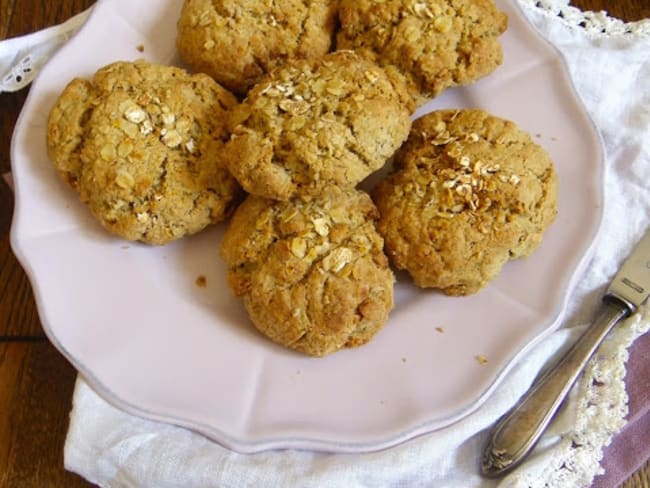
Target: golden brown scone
<point x="434" y="44"/>
<point x="315" y="123"/>
<point x="312" y="273"/>
<point x="237" y="42"/>
<point x="470" y="192"/>
<point x="141" y="143"/>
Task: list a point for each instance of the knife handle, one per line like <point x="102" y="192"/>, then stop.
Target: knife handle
<point x="518" y="431"/>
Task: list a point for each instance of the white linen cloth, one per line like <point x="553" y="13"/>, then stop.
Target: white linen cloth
<point x="610" y="64"/>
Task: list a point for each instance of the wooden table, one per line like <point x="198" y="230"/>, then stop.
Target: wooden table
<point x="36" y="382"/>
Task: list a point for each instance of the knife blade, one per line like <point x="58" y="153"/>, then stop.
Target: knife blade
<point x="517" y="432"/>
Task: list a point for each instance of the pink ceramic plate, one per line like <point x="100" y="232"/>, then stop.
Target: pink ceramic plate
<point x="149" y="340"/>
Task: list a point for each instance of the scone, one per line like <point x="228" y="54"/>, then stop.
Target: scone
<point x="470" y="191"/>
<point x="312" y="124"/>
<point x="238" y="42"/>
<point x="312" y="272"/>
<point x="434" y="44"/>
<point x="141" y="143"/>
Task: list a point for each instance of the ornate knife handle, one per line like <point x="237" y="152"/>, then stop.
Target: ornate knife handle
<point x="518" y="431"/>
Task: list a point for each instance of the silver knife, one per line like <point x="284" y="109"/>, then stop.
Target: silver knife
<point x="517" y="432"/>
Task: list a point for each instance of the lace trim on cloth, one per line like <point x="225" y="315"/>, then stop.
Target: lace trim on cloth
<point x="571" y="458"/>
<point x="595" y="23"/>
<point x="22" y="58"/>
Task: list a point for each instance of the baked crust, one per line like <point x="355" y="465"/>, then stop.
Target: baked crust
<point x="312" y="272"/>
<point x="434" y="45"/>
<point x="470" y="191"/>
<point x="238" y="42"/>
<point x="141" y="143"/>
<point x="311" y="124"/>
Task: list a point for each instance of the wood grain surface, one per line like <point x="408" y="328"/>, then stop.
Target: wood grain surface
<point x="36" y="382"/>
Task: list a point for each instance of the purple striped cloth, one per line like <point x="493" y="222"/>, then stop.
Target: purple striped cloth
<point x="630" y="448"/>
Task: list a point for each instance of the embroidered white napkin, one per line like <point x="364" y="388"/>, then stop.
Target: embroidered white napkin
<point x="610" y="65"/>
<point x="21" y="58"/>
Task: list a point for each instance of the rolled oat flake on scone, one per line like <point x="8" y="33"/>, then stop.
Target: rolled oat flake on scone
<point x="470" y="191"/>
<point x="311" y="124"/>
<point x="141" y="143"/>
<point x="312" y="272"/>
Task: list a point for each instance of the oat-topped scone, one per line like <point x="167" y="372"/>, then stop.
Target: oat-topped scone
<point x="315" y="123"/>
<point x="312" y="272"/>
<point x="470" y="192"/>
<point x="434" y="44"/>
<point x="141" y="143"/>
<point x="237" y="42"/>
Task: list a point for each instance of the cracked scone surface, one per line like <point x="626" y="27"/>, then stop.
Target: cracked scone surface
<point x="469" y="192"/>
<point x="237" y="42"/>
<point x="435" y="44"/>
<point x="312" y="124"/>
<point x="141" y="143"/>
<point x="312" y="272"/>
